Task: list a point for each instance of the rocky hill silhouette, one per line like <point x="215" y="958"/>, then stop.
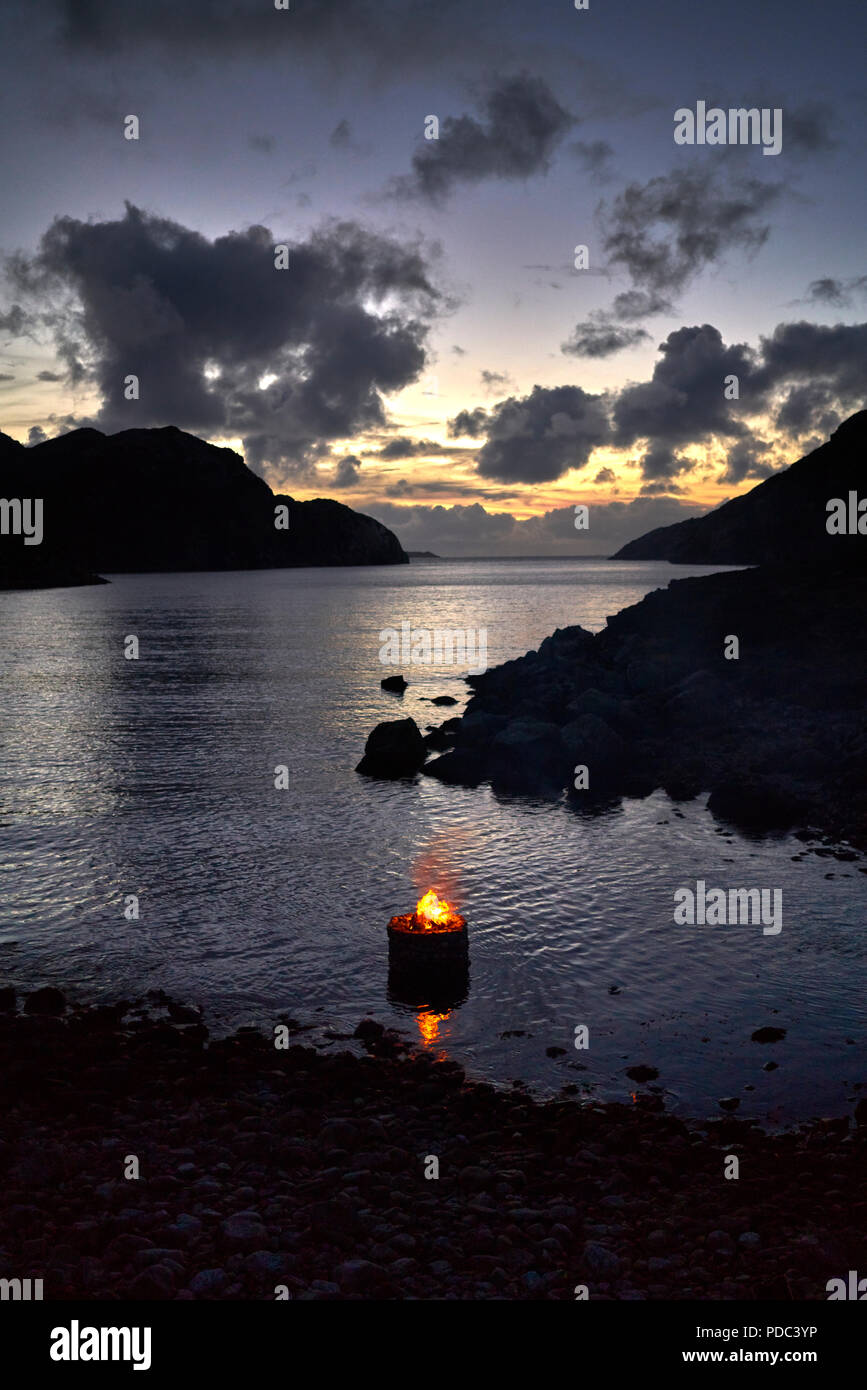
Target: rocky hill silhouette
<point x="780" y="521"/>
<point x="163" y="500"/>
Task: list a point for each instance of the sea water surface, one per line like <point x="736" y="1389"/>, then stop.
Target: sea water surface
<point x="156" y="778"/>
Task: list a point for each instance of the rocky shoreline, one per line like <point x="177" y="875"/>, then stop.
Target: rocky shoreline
<point x="268" y="1172"/>
<point x="774" y="736"/>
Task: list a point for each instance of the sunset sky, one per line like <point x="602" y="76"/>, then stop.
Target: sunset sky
<point x="431" y="355"/>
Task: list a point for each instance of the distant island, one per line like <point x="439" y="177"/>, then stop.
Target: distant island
<point x="163" y="500"/>
<point x="423" y="555"/>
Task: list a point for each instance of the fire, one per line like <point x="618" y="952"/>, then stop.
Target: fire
<point x="432" y="917"/>
<point x="433" y="911"/>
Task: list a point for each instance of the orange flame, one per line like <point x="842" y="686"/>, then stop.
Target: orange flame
<point x="434" y="911"/>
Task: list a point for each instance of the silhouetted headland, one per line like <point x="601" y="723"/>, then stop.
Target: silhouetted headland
<point x="163" y="500"/>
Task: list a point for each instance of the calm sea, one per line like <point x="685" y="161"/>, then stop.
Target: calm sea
<point x="156" y="778"/>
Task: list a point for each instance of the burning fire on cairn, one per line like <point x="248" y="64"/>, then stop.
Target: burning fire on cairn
<point x="432" y="914"/>
<point x="428" y="950"/>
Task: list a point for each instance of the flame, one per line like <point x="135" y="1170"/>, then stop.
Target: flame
<point x="432" y="910"/>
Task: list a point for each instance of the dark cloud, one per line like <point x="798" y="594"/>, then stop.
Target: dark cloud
<point x="347" y="473"/>
<point x="263" y="143"/>
<point x="603" y="333"/>
<point x="636" y="304"/>
<point x="536" y="438"/>
<point x="48" y="376"/>
<point x="594" y="156"/>
<point x="665" y="231"/>
<point x="36" y="435"/>
<point x="804" y="407"/>
<point x="341" y="139"/>
<point x="814" y="353"/>
<point x="7" y="376"/>
<point x="307" y="170"/>
<point x="660" y="487"/>
<point x="233" y="29"/>
<point x="684" y="401"/>
<point x="522" y="125"/>
<point x="840" y="293"/>
<point x="748" y="459"/>
<point x="201" y="322"/>
<point x="806" y="376"/>
<point x="402" y="447"/>
<point x="13" y="321"/>
<point x="458" y="350"/>
<point x="469" y="422"/>
<point x="443" y="487"/>
<point x="494" y="381"/>
<point x="605" y="475"/>
<point x="596" y="339"/>
<point x="473" y="530"/>
<point x="808" y="129"/>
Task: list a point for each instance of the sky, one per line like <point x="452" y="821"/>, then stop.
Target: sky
<point x="433" y="350"/>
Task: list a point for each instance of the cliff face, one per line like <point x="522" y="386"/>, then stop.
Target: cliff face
<point x="781" y="521"/>
<point x="160" y="499"/>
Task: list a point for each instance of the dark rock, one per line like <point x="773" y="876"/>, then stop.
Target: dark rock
<point x="340" y="1134"/>
<point x="444" y="700"/>
<point x="439" y="740"/>
<point x="208" y="1283"/>
<point x="7" y="1000"/>
<point x="45" y="1001"/>
<point x="768" y="1035"/>
<point x="596" y="702"/>
<point x="185" y="1228"/>
<point x="699" y="699"/>
<point x="590" y="741"/>
<point x="394" y="749"/>
<point x="369" y="1030"/>
<point x="397" y="684"/>
<point x="157" y="1282"/>
<point x="478" y="729"/>
<point x="360" y="1275"/>
<point x="642" y="1073"/>
<point x="599" y="1261"/>
<point x="462" y="767"/>
<point x="729" y="1103"/>
<point x="474" y="1178"/>
<point x="244" y="1231"/>
<point x="759" y="803"/>
<point x="182" y="1013"/>
<point x="526" y="754"/>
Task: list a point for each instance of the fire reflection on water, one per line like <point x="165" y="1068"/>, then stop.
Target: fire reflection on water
<point x="428" y="1025"/>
